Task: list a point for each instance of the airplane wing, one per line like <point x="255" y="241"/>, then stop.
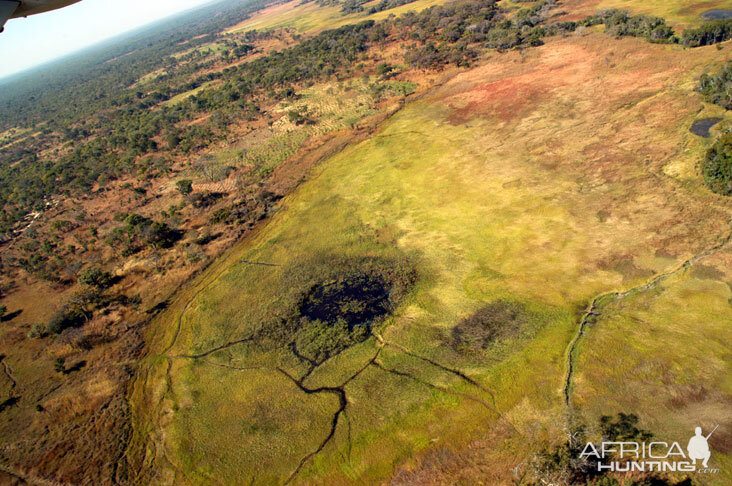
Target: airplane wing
<point x="7" y="7"/>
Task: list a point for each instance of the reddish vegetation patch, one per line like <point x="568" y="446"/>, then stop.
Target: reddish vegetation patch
<point x="698" y="8"/>
<point x="577" y="69"/>
<point x="505" y="100"/>
<point x="521" y="85"/>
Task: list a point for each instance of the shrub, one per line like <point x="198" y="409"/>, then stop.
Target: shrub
<point x="77" y="310"/>
<point x="623" y="428"/>
<point x="334" y="302"/>
<point x="95" y="277"/>
<point x="220" y="216"/>
<point x="717" y="88"/>
<point x="64" y="319"/>
<point x="37" y="331"/>
<point x="59" y="366"/>
<point x="185" y="186"/>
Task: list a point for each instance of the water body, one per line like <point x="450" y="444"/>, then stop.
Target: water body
<point x="702" y="127"/>
<point x="717" y="13"/>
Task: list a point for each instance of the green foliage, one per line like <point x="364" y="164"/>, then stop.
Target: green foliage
<point x="562" y="464"/>
<point x="621" y="24"/>
<point x="76" y="311"/>
<point x="3" y="311"/>
<point x="184" y="186"/>
<point x="299" y="116"/>
<point x="717" y="88"/>
<point x="95" y="277"/>
<point x="498" y="320"/>
<point x="708" y="33"/>
<point x="623" y="428"/>
<point x="141" y="231"/>
<point x="318" y="341"/>
<point x="384" y="69"/>
<point x="220" y="216"/>
<point x="717" y="166"/>
<point x="381" y="91"/>
<point x="68" y="317"/>
<point x="37" y="331"/>
<point x="59" y="365"/>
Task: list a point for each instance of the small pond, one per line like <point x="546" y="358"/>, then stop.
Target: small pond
<point x="701" y="127"/>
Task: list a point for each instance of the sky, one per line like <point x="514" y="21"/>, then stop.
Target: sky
<point x="41" y="38"/>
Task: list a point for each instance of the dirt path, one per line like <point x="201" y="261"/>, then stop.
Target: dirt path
<point x="9" y="373"/>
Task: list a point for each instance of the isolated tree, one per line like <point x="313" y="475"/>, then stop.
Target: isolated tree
<point x="185" y="186"/>
<point x="95" y="277"/>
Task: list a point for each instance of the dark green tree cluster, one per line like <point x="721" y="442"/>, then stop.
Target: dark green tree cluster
<point x="717" y="166"/>
<point x="621" y="24"/>
<point x="708" y="33"/>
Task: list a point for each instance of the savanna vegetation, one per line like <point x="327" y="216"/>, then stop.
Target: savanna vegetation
<point x="165" y="185"/>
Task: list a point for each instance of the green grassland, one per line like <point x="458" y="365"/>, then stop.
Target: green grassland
<point x="674" y="366"/>
<point x="542" y="180"/>
<point x="675" y="11"/>
<point x="311" y="17"/>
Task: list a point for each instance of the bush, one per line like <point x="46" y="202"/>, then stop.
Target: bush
<point x="77" y="310"/>
<point x="717" y="166"/>
<point x="185" y="186"/>
<point x="95" y="277"/>
<point x="37" y="332"/>
<point x="64" y="319"/>
<point x="717" y="88"/>
<point x="59" y="366"/>
<point x="621" y="24"/>
<point x="220" y="216"/>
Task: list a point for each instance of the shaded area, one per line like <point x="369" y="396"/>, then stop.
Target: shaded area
<point x="495" y="321"/>
<point x="701" y="127"/>
<point x="356" y="299"/>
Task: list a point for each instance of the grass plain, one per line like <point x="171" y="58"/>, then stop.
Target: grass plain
<point x="677" y="12"/>
<point x="311" y="17"/>
<point x="543" y="178"/>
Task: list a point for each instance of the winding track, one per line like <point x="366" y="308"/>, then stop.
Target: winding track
<point x="594" y="310"/>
